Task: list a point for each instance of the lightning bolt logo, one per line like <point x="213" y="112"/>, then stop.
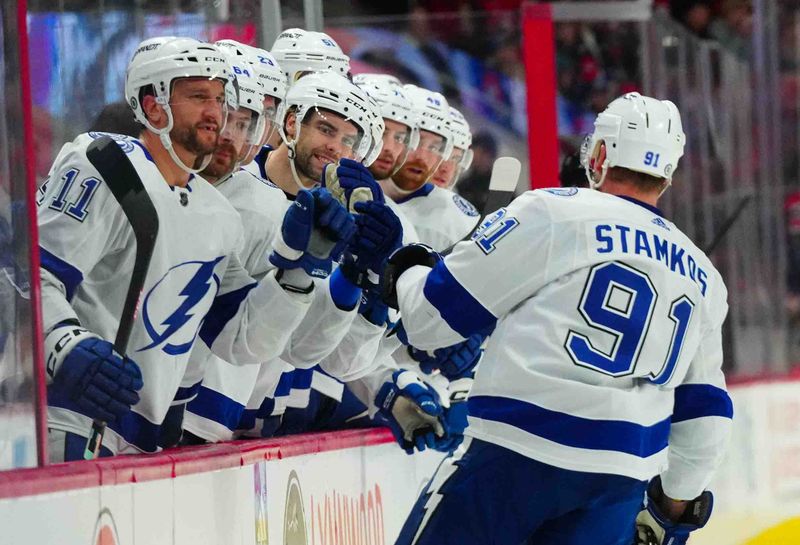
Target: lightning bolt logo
<point x="446" y="470"/>
<point x="195" y="291"/>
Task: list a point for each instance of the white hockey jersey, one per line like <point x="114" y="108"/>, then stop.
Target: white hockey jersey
<point x="213" y="414"/>
<point x="440" y="217"/>
<point x="607" y="350"/>
<point x="195" y="286"/>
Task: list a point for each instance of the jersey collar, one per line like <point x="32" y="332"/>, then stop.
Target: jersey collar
<point x="423" y="191"/>
<point x="649" y="207"/>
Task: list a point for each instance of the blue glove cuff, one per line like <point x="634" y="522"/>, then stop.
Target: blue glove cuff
<point x="344" y="293"/>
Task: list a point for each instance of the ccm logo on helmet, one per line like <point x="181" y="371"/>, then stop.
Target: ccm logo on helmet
<point x="356" y="104"/>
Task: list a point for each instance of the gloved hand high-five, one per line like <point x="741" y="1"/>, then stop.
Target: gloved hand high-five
<point x="350" y="182"/>
<point x="315" y="232"/>
<point x="378" y="234"/>
<point x="85" y="369"/>
<point x="454" y="361"/>
<point x="412" y="411"/>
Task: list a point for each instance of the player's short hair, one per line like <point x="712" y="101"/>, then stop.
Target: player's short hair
<point x="644" y="182"/>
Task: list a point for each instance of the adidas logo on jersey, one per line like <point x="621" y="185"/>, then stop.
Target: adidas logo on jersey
<point x="661" y="223"/>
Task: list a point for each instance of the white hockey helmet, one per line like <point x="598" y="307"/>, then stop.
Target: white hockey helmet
<point x="462" y="137"/>
<point x="377" y="126"/>
<point x="250" y="97"/>
<point x="335" y="93"/>
<point x="300" y="51"/>
<point x="394" y="105"/>
<point x="432" y="113"/>
<point x="640" y="133"/>
<point x="156" y="63"/>
<point x="269" y="71"/>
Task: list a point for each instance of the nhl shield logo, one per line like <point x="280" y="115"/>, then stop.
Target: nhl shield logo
<point x="105" y="531"/>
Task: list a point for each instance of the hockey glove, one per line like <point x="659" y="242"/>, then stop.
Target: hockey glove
<point x="85" y="369"/>
<point x="399" y="262"/>
<point x="314" y="233"/>
<point x="654" y="527"/>
<point x="454" y="361"/>
<point x="411" y="409"/>
<point x="378" y="234"/>
<point x="350" y="182"/>
<point x="373" y="309"/>
<point x="455" y="416"/>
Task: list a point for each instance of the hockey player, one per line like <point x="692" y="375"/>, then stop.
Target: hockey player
<point x="460" y="160"/>
<point x="440" y="217"/>
<point x="301" y="51"/>
<point x="195" y="285"/>
<point x="604" y="369"/>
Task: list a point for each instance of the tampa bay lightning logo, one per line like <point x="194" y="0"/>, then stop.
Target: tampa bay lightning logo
<point x="562" y="191"/>
<point x="125" y="142"/>
<point x="191" y="286"/>
<point x="465" y="206"/>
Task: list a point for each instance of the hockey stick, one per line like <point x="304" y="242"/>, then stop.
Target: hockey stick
<point x="125" y="184"/>
<point x="503" y="182"/>
<point x="723" y="230"/>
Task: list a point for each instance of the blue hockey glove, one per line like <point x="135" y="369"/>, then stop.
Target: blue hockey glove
<point x="350" y="182"/>
<point x="654" y="527"/>
<point x="85" y="369"/>
<point x="412" y="411"/>
<point x="314" y="233"/>
<point x="455" y="416"/>
<point x="378" y="234"/>
<point x="373" y="309"/>
<point x="454" y="361"/>
<point x="399" y="262"/>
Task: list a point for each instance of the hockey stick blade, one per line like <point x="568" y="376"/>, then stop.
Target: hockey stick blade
<point x="125" y="184"/>
<point x="505" y="175"/>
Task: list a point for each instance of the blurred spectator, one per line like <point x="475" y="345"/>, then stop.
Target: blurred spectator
<point x="116" y="117"/>
<point x="792" y="210"/>
<point x="734" y="28"/>
<point x="474" y="185"/>
<point x="696" y="15"/>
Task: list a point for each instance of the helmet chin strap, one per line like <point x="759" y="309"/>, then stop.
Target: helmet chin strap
<point x="403" y="192"/>
<point x="166" y="141"/>
<point x="293" y="167"/>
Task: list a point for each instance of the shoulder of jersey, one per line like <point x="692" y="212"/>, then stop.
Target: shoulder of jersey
<point x="456" y="201"/>
<point x="263" y="197"/>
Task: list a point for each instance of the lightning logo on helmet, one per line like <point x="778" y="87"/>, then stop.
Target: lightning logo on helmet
<point x="176" y="332"/>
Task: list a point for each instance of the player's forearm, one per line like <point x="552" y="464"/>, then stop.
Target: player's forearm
<point x="696" y="448"/>
<point x="321" y="330"/>
<point x="55" y="307"/>
<point x="357" y="353"/>
<point x="366" y="387"/>
<point x="424" y="325"/>
<point x="260" y="328"/>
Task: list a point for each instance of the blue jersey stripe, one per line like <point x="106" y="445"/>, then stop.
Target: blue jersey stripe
<point x="462" y="312"/>
<point x="699" y="400"/>
<point x="217" y="407"/>
<point x="571" y="430"/>
<point x="222" y="310"/>
<point x="187" y="392"/>
<point x="134" y="428"/>
<point x="66" y="273"/>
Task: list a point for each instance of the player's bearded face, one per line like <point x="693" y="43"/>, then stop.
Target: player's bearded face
<point x="197" y="106"/>
<point x="232" y="144"/>
<point x="394" y="152"/>
<point x="421" y="163"/>
<point x="325" y="138"/>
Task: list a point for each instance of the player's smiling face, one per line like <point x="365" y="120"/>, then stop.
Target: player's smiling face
<point x="421" y="162"/>
<point x="197" y="106"/>
<point x="395" y="149"/>
<point x="325" y="138"/>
